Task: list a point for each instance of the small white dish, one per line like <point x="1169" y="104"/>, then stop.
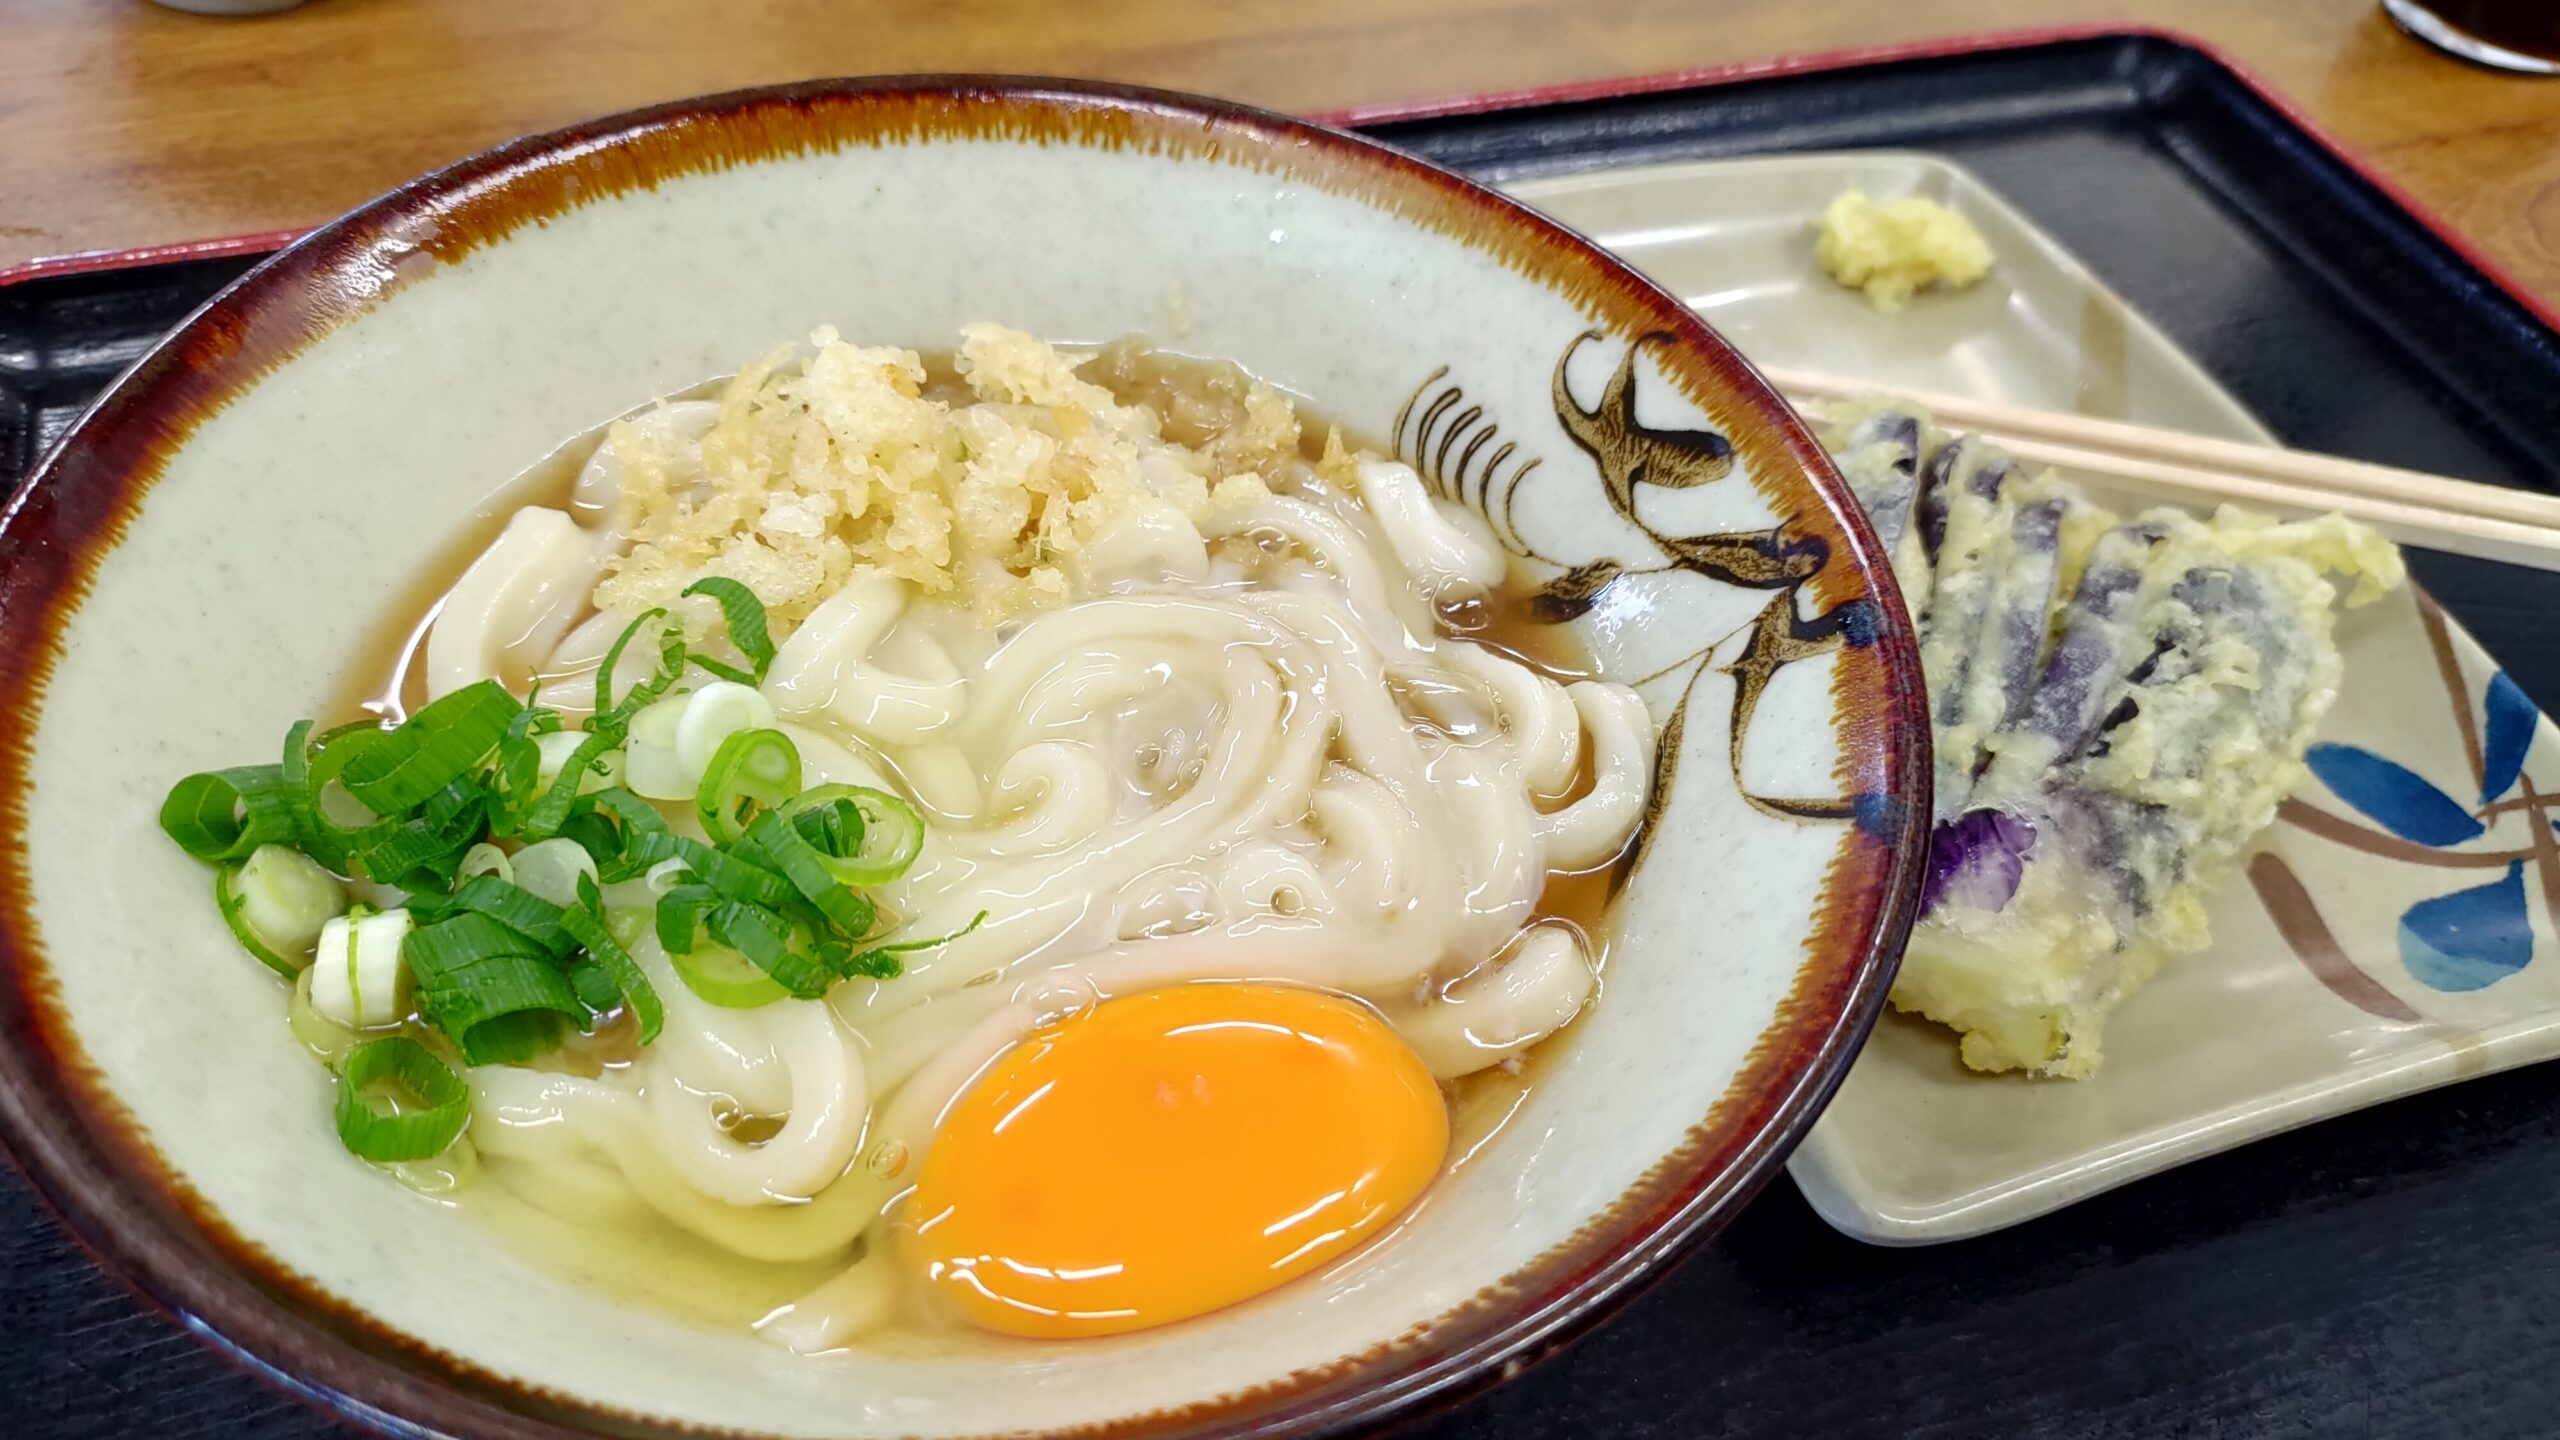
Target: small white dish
<point x="2333" y="980"/>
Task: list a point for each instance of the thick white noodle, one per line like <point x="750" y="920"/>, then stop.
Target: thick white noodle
<point x="1240" y="751"/>
<point x="510" y="609"/>
<point x="1440" y="545"/>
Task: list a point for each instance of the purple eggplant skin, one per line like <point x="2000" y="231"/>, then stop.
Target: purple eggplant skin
<point x="2013" y="631"/>
<point x="1977" y="861"/>
<point x="2143" y="851"/>
<point x="1889" y="503"/>
<point x="1929" y="499"/>
<point x="2067" y="700"/>
<point x="2035" y="540"/>
<point x="1955" y="626"/>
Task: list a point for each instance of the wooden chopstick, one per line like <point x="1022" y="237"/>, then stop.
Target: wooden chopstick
<point x="2432" y="512"/>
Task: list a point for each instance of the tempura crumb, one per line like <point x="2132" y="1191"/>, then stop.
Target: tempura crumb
<point x="845" y="463"/>
<point x="1892" y="249"/>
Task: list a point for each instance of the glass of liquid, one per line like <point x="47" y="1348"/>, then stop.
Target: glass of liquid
<point x="2518" y="35"/>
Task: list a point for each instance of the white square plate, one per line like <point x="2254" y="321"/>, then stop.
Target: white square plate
<point x="2391" y="934"/>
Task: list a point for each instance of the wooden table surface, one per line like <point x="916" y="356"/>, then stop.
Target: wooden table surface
<point x="124" y="124"/>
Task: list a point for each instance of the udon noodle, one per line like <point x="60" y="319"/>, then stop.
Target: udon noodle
<point x="1197" y="731"/>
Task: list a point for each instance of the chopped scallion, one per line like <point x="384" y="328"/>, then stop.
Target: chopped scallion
<point x="613" y="658"/>
<point x="752" y="770"/>
<point x="491" y="989"/>
<point x="226" y="898"/>
<point x="222" y="815"/>
<point x="881" y="962"/>
<point x="767" y="940"/>
<point x="552" y="811"/>
<point x="276" y="902"/>
<point x="869" y="837"/>
<point x="439" y="745"/>
<point x="554" y="868"/>
<point x="774" y="842"/>
<point x="397" y="1102"/>
<point x="585" y="922"/>
<point x="510" y="904"/>
<point x="723" y="977"/>
<point x="745" y="617"/>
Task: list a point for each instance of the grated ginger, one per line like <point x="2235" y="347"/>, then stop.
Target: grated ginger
<point x="1893" y="249"/>
<point x="848" y="461"/>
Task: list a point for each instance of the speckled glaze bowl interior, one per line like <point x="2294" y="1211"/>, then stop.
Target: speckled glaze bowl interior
<point x="194" y="567"/>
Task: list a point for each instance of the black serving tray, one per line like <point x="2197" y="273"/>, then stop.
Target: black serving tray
<point x="2391" y="1272"/>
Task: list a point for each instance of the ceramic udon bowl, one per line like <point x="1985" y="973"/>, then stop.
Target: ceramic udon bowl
<point x="192" y="569"/>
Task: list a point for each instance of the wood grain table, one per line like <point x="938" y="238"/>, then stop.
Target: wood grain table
<point x="2392" y="1274"/>
<point x="124" y="124"/>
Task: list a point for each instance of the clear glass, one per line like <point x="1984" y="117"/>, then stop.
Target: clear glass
<point x="2517" y="35"/>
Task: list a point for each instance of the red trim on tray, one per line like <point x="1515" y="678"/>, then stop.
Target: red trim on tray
<point x="88" y="261"/>
<point x="2498" y="275"/>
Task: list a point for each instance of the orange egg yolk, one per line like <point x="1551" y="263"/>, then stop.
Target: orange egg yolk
<point x="1168" y="1153"/>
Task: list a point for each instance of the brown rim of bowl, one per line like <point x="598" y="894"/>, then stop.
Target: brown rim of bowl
<point x="95" y="1170"/>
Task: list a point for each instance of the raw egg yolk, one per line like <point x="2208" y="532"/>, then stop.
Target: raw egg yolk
<point x="1167" y="1153"/>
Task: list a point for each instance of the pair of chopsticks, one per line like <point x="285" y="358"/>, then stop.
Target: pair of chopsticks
<point x="2432" y="512"/>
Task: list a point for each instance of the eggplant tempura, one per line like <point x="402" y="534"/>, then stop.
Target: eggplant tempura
<point x="2118" y="707"/>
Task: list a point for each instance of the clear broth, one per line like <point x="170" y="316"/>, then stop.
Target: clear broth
<point x="660" y="1264"/>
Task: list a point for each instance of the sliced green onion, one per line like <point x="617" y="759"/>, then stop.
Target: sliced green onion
<point x="222" y="815"/>
<point x="450" y="806"/>
<point x="652" y="763"/>
<point x="782" y="849"/>
<point x="881" y="962"/>
<point x="671" y="662"/>
<point x="752" y="768"/>
<point x="745" y="617"/>
<point x="316" y="836"/>
<point x="440" y="744"/>
<point x="766" y="939"/>
<point x="489" y="988"/>
<point x="554" y="868"/>
<point x="585" y="922"/>
<point x="276" y="902"/>
<point x="595" y="986"/>
<point x="679" y="916"/>
<point x="869" y="837"/>
<point x="485" y="859"/>
<point x="735" y="876"/>
<point x="226" y="898"/>
<point x="723" y="977"/>
<point x="723" y="669"/>
<point x="558" y="747"/>
<point x="426" y="853"/>
<point x="423" y="1112"/>
<point x="529" y="915"/>
<point x="552" y="810"/>
<point x="640" y="836"/>
<point x="709" y="716"/>
<point x="613" y="657"/>
<point x="596" y="835"/>
<point x="359" y="968"/>
<point x="332" y="839"/>
<point x="518" y="778"/>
